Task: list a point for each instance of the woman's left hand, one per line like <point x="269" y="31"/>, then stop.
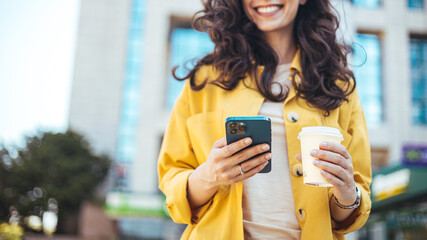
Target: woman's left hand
<point x="337" y="168"/>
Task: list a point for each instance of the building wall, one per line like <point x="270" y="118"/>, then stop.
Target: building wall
<point x="394" y="22"/>
<point x="98" y="72"/>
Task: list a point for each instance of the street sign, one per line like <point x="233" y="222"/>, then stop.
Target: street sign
<point x="414" y="155"/>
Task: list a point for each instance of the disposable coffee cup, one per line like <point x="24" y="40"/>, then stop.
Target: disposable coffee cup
<point x="310" y="138"/>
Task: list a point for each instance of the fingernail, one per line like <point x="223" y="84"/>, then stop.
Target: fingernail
<point x="316" y="162"/>
<point x="323" y="144"/>
<point x="313" y="152"/>
<point x="265" y="163"/>
<point x="265" y="147"/>
<point x="268" y="156"/>
<point x="323" y="172"/>
<point x="248" y="141"/>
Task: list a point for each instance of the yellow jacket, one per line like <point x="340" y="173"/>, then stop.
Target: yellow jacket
<point x="198" y="120"/>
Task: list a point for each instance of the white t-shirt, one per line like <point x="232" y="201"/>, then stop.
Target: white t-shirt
<point x="268" y="203"/>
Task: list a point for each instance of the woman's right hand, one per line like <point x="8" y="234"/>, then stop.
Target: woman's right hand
<point x="224" y="161"/>
<point x="223" y="168"/>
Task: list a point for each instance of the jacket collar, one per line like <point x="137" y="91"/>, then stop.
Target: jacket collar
<point x="296" y="64"/>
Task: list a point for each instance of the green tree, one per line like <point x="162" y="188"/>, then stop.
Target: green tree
<point x="56" y="166"/>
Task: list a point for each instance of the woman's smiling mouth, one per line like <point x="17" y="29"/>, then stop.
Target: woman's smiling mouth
<point x="268" y="10"/>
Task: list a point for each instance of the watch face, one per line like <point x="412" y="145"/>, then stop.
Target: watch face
<point x="357" y="203"/>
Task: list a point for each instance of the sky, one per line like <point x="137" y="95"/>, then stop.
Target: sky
<point x="37" y="46"/>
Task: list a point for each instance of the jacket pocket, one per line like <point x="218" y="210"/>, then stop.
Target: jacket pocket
<point x="204" y="129"/>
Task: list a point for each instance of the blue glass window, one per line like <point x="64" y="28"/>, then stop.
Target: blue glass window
<point x="367" y="3"/>
<point x="418" y="54"/>
<point x="129" y="114"/>
<point x="186" y="44"/>
<point x="369" y="76"/>
<point x="416" y="4"/>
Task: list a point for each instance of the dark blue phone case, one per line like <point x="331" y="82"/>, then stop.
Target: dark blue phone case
<point x="257" y="128"/>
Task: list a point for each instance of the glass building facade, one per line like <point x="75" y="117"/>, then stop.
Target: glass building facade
<point x="418" y="55"/>
<point x="186" y="44"/>
<point x="131" y="95"/>
<point x="368" y="73"/>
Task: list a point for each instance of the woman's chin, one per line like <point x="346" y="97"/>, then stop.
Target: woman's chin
<point x="269" y="27"/>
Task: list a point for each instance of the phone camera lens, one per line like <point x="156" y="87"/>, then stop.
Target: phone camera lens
<point x="233" y="125"/>
<point x="233" y="131"/>
<point x="242" y="127"/>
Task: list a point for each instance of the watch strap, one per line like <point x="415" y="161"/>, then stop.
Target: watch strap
<point x="356" y="204"/>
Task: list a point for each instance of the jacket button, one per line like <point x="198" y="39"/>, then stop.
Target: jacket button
<point x="302" y="216"/>
<point x="293" y="116"/>
<point x="297" y="170"/>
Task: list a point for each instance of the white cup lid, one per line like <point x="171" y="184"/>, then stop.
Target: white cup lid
<point x="320" y="131"/>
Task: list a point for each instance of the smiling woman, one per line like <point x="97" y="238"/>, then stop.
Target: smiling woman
<point x="36" y="61"/>
<point x="277" y="59"/>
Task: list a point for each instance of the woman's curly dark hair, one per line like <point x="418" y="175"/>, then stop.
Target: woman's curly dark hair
<point x="239" y="50"/>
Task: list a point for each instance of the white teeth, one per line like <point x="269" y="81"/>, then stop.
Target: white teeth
<point x="268" y="9"/>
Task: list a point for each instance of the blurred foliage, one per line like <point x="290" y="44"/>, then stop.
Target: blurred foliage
<point x="10" y="232"/>
<point x="56" y="166"/>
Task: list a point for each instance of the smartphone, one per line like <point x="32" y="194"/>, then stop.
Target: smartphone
<point x="257" y="128"/>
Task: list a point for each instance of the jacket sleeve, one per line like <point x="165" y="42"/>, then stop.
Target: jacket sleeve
<point x="177" y="161"/>
<point x="360" y="152"/>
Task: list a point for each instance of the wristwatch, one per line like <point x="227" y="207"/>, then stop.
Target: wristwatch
<point x="355" y="204"/>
